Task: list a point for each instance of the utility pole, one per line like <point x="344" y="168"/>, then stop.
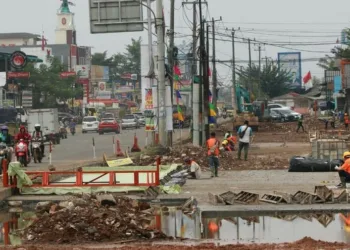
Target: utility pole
<point x="152" y="85"/>
<point x="250" y="66"/>
<point x="206" y="85"/>
<point x="259" y="49"/>
<point x="197" y="87"/>
<point x="171" y="61"/>
<point x="233" y="91"/>
<point x="215" y="80"/>
<point x="161" y="69"/>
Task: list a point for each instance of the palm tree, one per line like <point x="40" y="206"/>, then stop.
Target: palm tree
<point x="327" y="63"/>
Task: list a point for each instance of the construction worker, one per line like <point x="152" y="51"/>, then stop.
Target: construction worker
<point x="346" y="121"/>
<point x="344" y="170"/>
<point x="213" y="154"/>
<point x="193" y="168"/>
<point x="227" y="134"/>
<point x="300" y="123"/>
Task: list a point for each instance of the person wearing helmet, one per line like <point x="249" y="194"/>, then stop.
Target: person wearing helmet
<point x="193" y="168"/>
<point x="344" y="170"/>
<point x="24" y="135"/>
<point x="38" y="135"/>
<point x="5" y="137"/>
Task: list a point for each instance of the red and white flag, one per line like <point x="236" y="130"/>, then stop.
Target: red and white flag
<point x="307" y="77"/>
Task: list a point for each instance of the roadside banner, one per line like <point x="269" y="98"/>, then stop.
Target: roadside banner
<point x="149" y="99"/>
<point x="149" y="121"/>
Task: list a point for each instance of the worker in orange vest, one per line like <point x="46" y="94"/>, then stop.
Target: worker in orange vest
<point x="213" y="154"/>
<point x="344" y="170"/>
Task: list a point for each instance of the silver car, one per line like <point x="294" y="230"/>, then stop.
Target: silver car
<point x="130" y="121"/>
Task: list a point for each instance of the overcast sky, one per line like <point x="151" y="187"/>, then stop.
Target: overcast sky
<point x="288" y="24"/>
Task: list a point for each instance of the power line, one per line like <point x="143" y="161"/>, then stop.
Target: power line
<point x="290" y="23"/>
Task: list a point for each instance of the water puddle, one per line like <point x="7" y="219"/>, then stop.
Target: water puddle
<point x="272" y="228"/>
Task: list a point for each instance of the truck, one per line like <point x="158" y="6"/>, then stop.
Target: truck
<point x="48" y="119"/>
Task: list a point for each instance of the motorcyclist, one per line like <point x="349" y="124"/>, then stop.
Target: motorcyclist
<point x="38" y="135"/>
<point x="72" y="125"/>
<point x="5" y="137"/>
<point x="24" y="135"/>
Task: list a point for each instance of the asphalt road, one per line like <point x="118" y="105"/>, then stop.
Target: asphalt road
<point x="78" y="148"/>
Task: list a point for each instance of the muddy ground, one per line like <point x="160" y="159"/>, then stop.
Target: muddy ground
<point x="305" y="244"/>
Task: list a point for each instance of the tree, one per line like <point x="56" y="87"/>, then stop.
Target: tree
<point x="47" y="85"/>
<point x="327" y="63"/>
<point x="273" y="81"/>
<point x="128" y="62"/>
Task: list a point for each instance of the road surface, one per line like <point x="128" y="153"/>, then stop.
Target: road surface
<point x="78" y="148"/>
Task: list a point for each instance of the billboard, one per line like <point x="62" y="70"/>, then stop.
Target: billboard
<point x="82" y="71"/>
<point x="291" y="62"/>
<point x="99" y="73"/>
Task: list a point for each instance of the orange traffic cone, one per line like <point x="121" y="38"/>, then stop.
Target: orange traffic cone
<point x="119" y="152"/>
<point x="135" y="147"/>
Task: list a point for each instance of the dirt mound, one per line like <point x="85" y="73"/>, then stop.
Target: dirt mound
<point x="228" y="160"/>
<point x="85" y="219"/>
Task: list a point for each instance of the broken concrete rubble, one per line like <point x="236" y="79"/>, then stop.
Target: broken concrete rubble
<point x="91" y="221"/>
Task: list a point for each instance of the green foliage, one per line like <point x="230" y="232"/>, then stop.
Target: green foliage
<point x="128" y="62"/>
<point x="327" y="63"/>
<point x="273" y="81"/>
<point x="47" y="85"/>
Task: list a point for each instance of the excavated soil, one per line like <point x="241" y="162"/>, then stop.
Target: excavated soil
<point x="303" y="244"/>
<point x="87" y="219"/>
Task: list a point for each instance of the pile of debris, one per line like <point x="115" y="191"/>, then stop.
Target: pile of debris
<point x="92" y="219"/>
<point x="228" y="160"/>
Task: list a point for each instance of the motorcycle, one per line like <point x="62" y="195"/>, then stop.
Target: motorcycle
<point x="37" y="154"/>
<point x="63" y="132"/>
<point x="22" y="153"/>
<point x="72" y="130"/>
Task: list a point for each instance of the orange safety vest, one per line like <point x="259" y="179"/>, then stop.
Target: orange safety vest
<point x="211" y="143"/>
<point x="346" y="166"/>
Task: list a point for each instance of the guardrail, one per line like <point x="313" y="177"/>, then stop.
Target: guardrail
<point x="152" y="178"/>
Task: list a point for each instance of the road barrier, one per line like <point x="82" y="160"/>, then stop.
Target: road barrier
<point x="152" y="178"/>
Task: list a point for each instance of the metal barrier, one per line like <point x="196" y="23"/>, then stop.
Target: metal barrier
<point x="152" y="178"/>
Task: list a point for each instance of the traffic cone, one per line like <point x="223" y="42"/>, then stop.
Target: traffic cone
<point x="119" y="152"/>
<point x="135" y="147"/>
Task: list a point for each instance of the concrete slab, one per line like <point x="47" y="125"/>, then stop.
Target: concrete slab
<point x="260" y="182"/>
<point x="242" y="210"/>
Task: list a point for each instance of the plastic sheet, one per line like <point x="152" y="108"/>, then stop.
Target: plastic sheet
<point x="306" y="164"/>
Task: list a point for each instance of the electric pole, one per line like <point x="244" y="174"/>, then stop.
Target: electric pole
<point x="250" y="66"/>
<point x="233" y="90"/>
<point x="259" y="49"/>
<point x="197" y="82"/>
<point x="161" y="72"/>
<point x="171" y="61"/>
<point x="215" y="80"/>
<point x="206" y="86"/>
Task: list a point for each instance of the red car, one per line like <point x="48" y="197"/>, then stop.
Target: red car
<point x="108" y="125"/>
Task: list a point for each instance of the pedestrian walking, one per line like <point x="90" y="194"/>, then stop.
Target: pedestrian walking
<point x="300" y="123"/>
<point x="213" y="154"/>
<point x="245" y="133"/>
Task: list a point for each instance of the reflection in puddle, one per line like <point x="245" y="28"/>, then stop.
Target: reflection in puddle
<point x="276" y="228"/>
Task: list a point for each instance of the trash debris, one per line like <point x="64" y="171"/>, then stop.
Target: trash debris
<point x="79" y="222"/>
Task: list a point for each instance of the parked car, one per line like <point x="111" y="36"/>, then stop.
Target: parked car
<point x="107" y="115"/>
<point x="141" y="119"/>
<point x="275" y="116"/>
<point x="286" y="115"/>
<point x="108" y="125"/>
<point x="277" y="106"/>
<point x="130" y="121"/>
<point x="90" y="123"/>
